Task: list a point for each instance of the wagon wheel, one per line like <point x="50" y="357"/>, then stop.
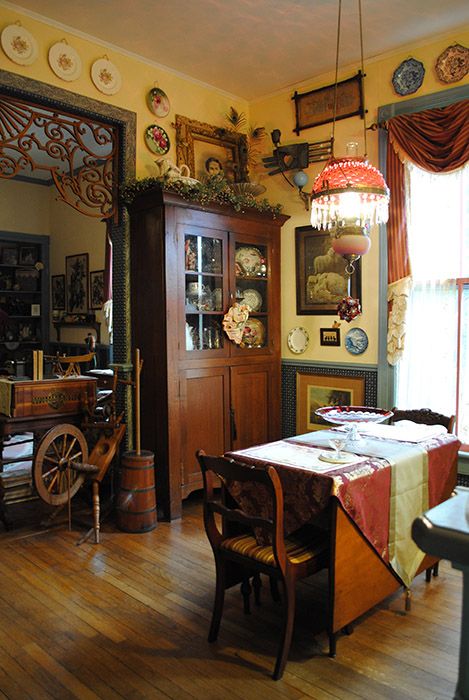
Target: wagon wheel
<point x="54" y="476"/>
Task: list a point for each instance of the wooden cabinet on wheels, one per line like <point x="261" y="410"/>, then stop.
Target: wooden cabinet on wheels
<point x="189" y="264"/>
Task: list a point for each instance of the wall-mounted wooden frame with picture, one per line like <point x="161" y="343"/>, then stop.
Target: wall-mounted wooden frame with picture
<point x="330" y="337"/>
<point x="321" y="280"/>
<point x="197" y="141"/>
<point x="96" y="289"/>
<point x="316" y="390"/>
<point x="58" y="292"/>
<point x="76" y="278"/>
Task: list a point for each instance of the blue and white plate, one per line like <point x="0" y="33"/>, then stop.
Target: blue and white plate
<point x="356" y="341"/>
<point x="408" y="76"/>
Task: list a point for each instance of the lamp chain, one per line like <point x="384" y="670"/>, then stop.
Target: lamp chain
<point x="363" y="77"/>
<point x="334" y="113"/>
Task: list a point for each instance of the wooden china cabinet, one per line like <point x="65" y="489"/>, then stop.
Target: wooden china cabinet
<point x="189" y="264"/>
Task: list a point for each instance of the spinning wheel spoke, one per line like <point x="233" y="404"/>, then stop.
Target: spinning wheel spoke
<point x="54" y="477"/>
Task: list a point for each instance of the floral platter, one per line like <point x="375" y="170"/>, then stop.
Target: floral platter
<point x="453" y="64"/>
<point x="156" y="139"/>
<point x="158" y="102"/>
<point x="105" y="76"/>
<point x="19" y="44"/>
<point x="64" y="61"/>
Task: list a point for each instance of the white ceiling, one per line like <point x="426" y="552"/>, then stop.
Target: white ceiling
<point x="251" y="48"/>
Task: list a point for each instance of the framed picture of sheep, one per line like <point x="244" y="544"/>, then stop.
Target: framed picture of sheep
<point x="321" y="280"/>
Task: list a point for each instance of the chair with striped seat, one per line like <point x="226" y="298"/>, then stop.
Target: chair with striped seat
<point x="284" y="560"/>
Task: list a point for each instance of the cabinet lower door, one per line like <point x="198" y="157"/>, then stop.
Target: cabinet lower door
<point x="205" y="421"/>
<point x="255" y="405"/>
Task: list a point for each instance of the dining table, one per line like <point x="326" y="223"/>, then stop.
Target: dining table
<point x="393" y="474"/>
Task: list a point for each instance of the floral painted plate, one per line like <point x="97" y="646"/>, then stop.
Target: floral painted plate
<point x="408" y="76"/>
<point x="298" y="340"/>
<point x="158" y="102"/>
<point x="356" y="341"/>
<point x="249" y="260"/>
<point x="157" y="140"/>
<point x="65" y="61"/>
<point x="105" y="76"/>
<point x="453" y="64"/>
<point x="252" y="298"/>
<point x="254" y="333"/>
<point x="19" y="44"/>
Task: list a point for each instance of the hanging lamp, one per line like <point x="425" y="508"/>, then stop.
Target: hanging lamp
<point x="349" y="194"/>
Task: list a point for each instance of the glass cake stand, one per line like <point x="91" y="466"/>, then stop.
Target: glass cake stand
<point x="351" y="417"/>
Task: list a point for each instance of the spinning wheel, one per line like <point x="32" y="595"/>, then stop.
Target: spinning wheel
<point x="55" y="477"/>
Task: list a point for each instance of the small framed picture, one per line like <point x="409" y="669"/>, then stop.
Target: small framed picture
<point x="28" y="255"/>
<point x="330" y="336"/>
<point x="58" y="292"/>
<point x="97" y="289"/>
<point x="10" y="256"/>
<point x="76" y="273"/>
<point x="35" y="309"/>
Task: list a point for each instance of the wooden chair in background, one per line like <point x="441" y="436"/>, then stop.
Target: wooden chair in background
<point x="425" y="416"/>
<point x="285" y="560"/>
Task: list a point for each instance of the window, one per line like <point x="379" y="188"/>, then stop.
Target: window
<point x="434" y="370"/>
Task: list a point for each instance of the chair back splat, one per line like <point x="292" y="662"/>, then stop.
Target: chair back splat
<point x="248" y="544"/>
<point x="425" y="416"/>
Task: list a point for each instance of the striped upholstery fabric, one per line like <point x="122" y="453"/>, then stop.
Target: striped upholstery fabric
<point x="298" y="552"/>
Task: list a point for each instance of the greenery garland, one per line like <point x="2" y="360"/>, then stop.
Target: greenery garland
<point x="214" y="190"/>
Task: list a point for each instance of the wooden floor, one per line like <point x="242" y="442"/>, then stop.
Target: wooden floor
<point x="129" y="618"/>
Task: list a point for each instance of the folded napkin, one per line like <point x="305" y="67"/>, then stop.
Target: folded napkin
<point x="403" y="430"/>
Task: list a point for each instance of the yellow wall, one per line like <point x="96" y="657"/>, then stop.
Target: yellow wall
<point x="200" y="102"/>
<point x="277" y="111"/>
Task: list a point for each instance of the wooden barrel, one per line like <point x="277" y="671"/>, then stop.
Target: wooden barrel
<point x="136" y="500"/>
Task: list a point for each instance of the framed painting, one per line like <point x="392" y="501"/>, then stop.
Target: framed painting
<point x="316" y="390"/>
<point x="317" y="106"/>
<point x="321" y="280"/>
<point x="329" y="337"/>
<point x="76" y="279"/>
<point x="58" y="291"/>
<point x="97" y="289"/>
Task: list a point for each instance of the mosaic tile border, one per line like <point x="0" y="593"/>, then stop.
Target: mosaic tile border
<point x="289" y="388"/>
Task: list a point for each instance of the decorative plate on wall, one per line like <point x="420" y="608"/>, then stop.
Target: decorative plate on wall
<point x="158" y="102"/>
<point x="408" y="76"/>
<point x="157" y="140"/>
<point x="64" y="61"/>
<point x="298" y="340"/>
<point x="356" y="341"/>
<point x="453" y="64"/>
<point x="105" y="76"/>
<point x="19" y="44"/>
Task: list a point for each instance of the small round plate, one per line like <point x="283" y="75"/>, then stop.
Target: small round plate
<point x="106" y="77"/>
<point x="19" y="44"/>
<point x="249" y="260"/>
<point x="453" y="64"/>
<point x="64" y="61"/>
<point x="157" y="140"/>
<point x="356" y="341"/>
<point x="298" y="340"/>
<point x="158" y="102"/>
<point x="408" y="76"/>
<point x="252" y="298"/>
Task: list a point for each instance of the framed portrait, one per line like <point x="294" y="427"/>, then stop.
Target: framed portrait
<point x="317" y="106"/>
<point x="97" y="289"/>
<point x="28" y="255"/>
<point x="321" y="280"/>
<point x="76" y="281"/>
<point x="58" y="291"/>
<point x="10" y="256"/>
<point x="316" y="390"/>
<point x="329" y="336"/>
<point x="197" y="142"/>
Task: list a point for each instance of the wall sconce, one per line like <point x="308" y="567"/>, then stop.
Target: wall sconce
<point x="296" y="156"/>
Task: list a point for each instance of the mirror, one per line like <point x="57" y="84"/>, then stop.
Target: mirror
<point x="196" y="142"/>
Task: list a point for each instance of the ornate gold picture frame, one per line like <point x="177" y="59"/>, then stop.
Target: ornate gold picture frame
<point x="316" y="390"/>
<point x="197" y="141"/>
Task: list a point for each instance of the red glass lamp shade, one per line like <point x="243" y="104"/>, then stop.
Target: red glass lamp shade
<point x="349" y="190"/>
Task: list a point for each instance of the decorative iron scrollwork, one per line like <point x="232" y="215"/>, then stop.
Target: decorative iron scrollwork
<point x="80" y="155"/>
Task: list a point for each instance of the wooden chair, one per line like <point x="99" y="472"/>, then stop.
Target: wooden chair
<point x="427" y="417"/>
<point x="285" y="560"/>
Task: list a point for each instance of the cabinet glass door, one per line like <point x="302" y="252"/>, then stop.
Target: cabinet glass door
<point x="204" y="261"/>
<point x="252" y="288"/>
